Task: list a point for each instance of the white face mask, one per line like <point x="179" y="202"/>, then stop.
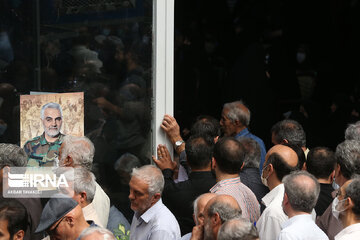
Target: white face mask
<point x="337" y="207"/>
<point x="264" y="180"/>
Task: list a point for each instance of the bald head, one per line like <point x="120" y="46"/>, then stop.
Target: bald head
<point x="285" y="152"/>
<point x="199" y="206"/>
<point x="225" y="205"/>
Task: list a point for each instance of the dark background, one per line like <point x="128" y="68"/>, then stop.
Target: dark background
<point x="230" y="50"/>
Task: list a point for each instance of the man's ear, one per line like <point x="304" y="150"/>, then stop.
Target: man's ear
<point x="284" y="141"/>
<point x="304" y="167"/>
<point x="83" y="197"/>
<point x="216" y="220"/>
<point x="19" y="235"/>
<point x="155" y="198"/>
<point x="70" y="220"/>
<point x="332" y="175"/>
<point x="68" y="161"/>
<point x="213" y="163"/>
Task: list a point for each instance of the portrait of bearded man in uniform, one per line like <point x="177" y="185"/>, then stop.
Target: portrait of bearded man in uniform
<point x="43" y="150"/>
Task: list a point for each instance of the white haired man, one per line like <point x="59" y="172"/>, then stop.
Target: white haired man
<point x="152" y="219"/>
<point x="84" y="185"/>
<point x="43" y="150"/>
<point x="301" y="194"/>
<point x="97" y="233"/>
<point x="79" y="152"/>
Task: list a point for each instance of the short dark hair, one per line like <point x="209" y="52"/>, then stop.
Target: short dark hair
<point x="321" y="162"/>
<point x="281" y="167"/>
<point x="353" y="191"/>
<point x="199" y="151"/>
<point x="206" y="125"/>
<point x="229" y="155"/>
<point x="15" y="214"/>
<point x="299" y="152"/>
<point x="290" y="130"/>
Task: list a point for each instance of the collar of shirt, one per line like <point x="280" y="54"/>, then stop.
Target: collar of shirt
<point x="225" y="182"/>
<point x="348" y="230"/>
<point x="58" y="140"/>
<point x="150" y="213"/>
<point x="302" y="217"/>
<point x="243" y="132"/>
<point x="277" y="192"/>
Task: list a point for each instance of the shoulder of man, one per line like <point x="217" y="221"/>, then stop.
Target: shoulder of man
<point x="32" y="142"/>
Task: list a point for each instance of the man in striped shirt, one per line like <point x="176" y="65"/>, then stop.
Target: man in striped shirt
<point x="227" y="163"/>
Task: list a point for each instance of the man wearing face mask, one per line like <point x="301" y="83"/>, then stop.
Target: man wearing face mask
<point x="348" y="209"/>
<point x="280" y="161"/>
<point x="348" y="164"/>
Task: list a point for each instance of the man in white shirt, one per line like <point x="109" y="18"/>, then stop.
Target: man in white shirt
<point x="79" y="152"/>
<point x="348" y="207"/>
<point x="84" y="186"/>
<point x="300" y="197"/>
<point x="279" y="162"/>
<point x="152" y="219"/>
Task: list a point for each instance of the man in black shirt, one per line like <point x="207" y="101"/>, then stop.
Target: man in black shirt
<point x="178" y="197"/>
<point x="321" y="162"/>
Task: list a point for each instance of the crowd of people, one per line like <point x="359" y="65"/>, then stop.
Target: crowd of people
<point x="223" y="183"/>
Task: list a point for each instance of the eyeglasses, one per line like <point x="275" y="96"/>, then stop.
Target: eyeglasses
<point x="52" y="231"/>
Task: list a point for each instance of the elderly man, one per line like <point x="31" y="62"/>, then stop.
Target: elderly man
<point x="235" y="120"/>
<point x="152" y="219"/>
<point x="12" y="155"/>
<point x="62" y="218"/>
<point x="348" y="163"/>
<point x="199" y="206"/>
<point x="280" y="161"/>
<point x="352" y="132"/>
<point x="238" y="229"/>
<point x="13" y="220"/>
<point x="227" y="163"/>
<point x="43" y="150"/>
<point x="79" y="152"/>
<point x="301" y="194"/>
<point x="218" y="210"/>
<point x="348" y="208"/>
<point x="289" y="131"/>
<point x="84" y="185"/>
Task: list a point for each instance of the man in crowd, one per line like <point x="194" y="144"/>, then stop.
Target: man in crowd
<point x="198" y="215"/>
<point x="348" y="163"/>
<point x="238" y="229"/>
<point x="13" y="220"/>
<point x="152" y="219"/>
<point x="280" y="161"/>
<point x="352" y="132"/>
<point x="348" y="208"/>
<point x="43" y="150"/>
<point x="62" y="218"/>
<point x="178" y="197"/>
<point x="218" y="210"/>
<point x="321" y="163"/>
<point x="301" y="193"/>
<point x="235" y="120"/>
<point x="79" y="152"/>
<point x="249" y="174"/>
<point x="84" y="185"/>
<point x="289" y="131"/>
<point x="227" y="163"/>
<point x="12" y="155"/>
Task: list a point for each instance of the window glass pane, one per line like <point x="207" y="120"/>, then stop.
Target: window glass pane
<point x="101" y="48"/>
